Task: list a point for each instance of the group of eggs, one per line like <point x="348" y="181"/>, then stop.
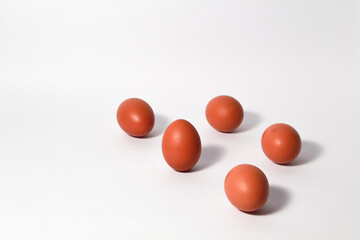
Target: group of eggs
<point x="246" y="186"/>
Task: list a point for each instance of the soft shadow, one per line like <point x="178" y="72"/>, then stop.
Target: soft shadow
<point x="310" y="151"/>
<point x="278" y="199"/>
<point x="161" y="122"/>
<point x="210" y="155"/>
<point x="250" y="121"/>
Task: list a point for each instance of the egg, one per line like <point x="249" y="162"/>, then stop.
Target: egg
<point x="246" y="187"/>
<point x="181" y="145"/>
<point x="135" y="117"/>
<point x="281" y="143"/>
<point x="224" y="113"/>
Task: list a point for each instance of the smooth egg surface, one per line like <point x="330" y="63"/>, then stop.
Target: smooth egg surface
<point x="135" y="117"/>
<point x="181" y="145"/>
<point x="281" y="143"/>
<point x="246" y="187"/>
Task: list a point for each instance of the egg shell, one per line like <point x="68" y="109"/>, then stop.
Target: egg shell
<point x="246" y="187"/>
<point x="281" y="143"/>
<point x="135" y="117"/>
<point x="181" y="145"/>
<point x="224" y="113"/>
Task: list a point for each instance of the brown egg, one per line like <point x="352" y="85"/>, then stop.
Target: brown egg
<point x="246" y="187"/>
<point x="281" y="143"/>
<point x="135" y="117"/>
<point x="224" y="113"/>
<point x="181" y="145"/>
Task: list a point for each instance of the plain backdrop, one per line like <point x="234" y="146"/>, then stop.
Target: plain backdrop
<point x="67" y="171"/>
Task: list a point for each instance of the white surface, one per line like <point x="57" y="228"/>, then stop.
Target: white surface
<point x="67" y="171"/>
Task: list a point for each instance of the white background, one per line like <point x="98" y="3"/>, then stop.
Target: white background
<point x="67" y="171"/>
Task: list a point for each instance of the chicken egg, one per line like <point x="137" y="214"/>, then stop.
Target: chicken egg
<point x="181" y="145"/>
